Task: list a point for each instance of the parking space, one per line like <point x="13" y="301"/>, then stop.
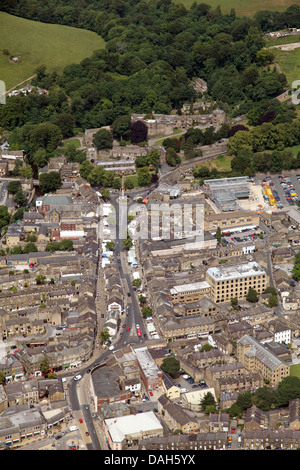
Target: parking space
<point x="185" y="382"/>
<point x="242" y="236"/>
<point x="285" y="189"/>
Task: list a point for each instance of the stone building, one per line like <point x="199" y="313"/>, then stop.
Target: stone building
<point x="257" y="358"/>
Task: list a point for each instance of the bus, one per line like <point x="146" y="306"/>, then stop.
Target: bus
<point x="138" y="330"/>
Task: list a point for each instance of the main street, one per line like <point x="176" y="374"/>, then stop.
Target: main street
<point x="78" y="390"/>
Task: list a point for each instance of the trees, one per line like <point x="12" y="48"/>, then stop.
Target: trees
<point x="142" y="299"/>
<point x="252" y="295"/>
<point x="40" y="158"/>
<point x="49" y="182"/>
<point x="144" y="176"/>
<point x="25" y="172"/>
<point x="110" y="246"/>
<point x="128" y="184"/>
<point x="66" y="124"/>
<point x="288" y="389"/>
<point x="30" y="248"/>
<point x="14" y="186"/>
<point x="172" y="158"/>
<point x="65" y="245"/>
<point x="104" y="335"/>
<point x="170" y="365"/>
<point x="208" y="403"/>
<point x="45" y="365"/>
<point x="45" y="135"/>
<point x="218" y="234"/>
<point x="98" y="176"/>
<point x="138" y="132"/>
<point x="20" y="198"/>
<point x="264" y="398"/>
<point x="272" y="301"/>
<point x="85" y="169"/>
<point x="201" y="172"/>
<point x="4" y="216"/>
<point x="105" y="194"/>
<point x="121" y="127"/>
<point x="137" y="283"/>
<point x="146" y="312"/>
<point x="127" y="243"/>
<point x="103" y="139"/>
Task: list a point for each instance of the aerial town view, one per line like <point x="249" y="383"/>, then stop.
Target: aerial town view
<point x="150" y="227"/>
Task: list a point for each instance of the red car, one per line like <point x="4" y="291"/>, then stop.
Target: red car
<point x="128" y="329"/>
<point x="123" y="326"/>
<point x="151" y="393"/>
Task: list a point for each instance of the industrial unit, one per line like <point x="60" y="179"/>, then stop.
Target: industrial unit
<point x="225" y="191"/>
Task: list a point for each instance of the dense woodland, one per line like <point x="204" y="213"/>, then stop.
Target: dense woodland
<point x="153" y="51"/>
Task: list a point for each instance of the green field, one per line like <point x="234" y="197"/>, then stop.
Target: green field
<point x="245" y="7"/>
<point x="41" y="44"/>
<point x="289" y="63"/>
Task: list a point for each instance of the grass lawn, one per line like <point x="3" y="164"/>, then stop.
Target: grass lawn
<point x="245" y="7"/>
<point x="295" y="370"/>
<point x="289" y="62"/>
<point x="222" y="163"/>
<point x="54" y="46"/>
<point x="133" y="178"/>
<point x="294" y="149"/>
<point x="273" y="41"/>
<point x="75" y="142"/>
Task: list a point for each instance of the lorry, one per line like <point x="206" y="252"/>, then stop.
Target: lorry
<point x="73" y="428"/>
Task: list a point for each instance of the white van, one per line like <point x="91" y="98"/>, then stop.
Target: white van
<point x="73" y="428"/>
<point x="183" y="390"/>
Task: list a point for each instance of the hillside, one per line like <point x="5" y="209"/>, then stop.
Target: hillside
<point x="245" y="8"/>
<point x="41" y="44"/>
